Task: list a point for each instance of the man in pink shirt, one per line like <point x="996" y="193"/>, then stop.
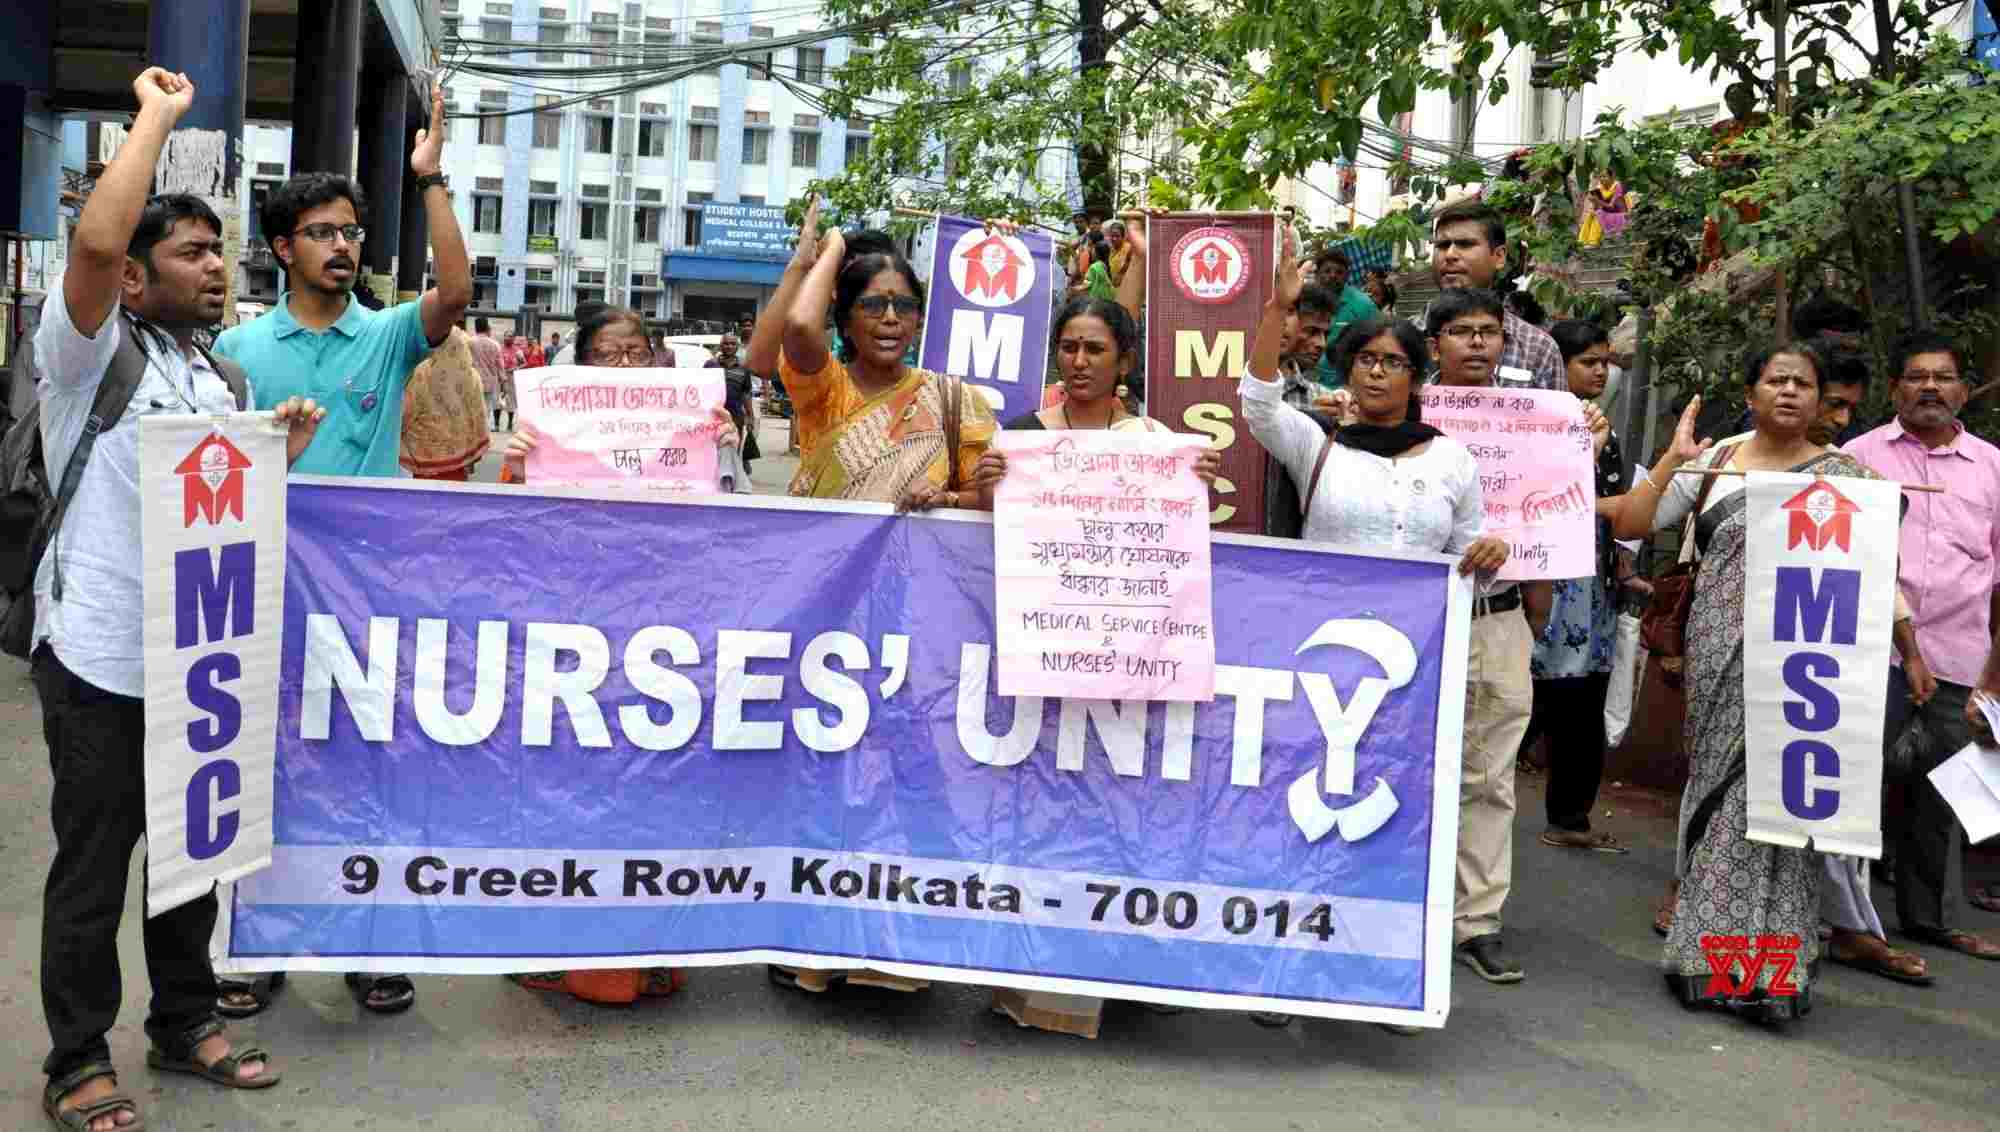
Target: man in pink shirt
<point x="486" y="357"/>
<point x="1948" y="574"/>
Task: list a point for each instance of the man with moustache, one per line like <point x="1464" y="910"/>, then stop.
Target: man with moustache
<point x="1468" y="331"/>
<point x="1947" y="572"/>
<point x="144" y="276"/>
<point x="1468" y="249"/>
<point x="1306" y="330"/>
<point x="319" y="342"/>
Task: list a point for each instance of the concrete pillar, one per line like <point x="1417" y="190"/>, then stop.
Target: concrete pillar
<point x="385" y="154"/>
<point x="324" y="84"/>
<point x="414" y="242"/>
<point x="209" y="41"/>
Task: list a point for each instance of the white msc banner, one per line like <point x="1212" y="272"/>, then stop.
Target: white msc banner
<point x="1818" y="612"/>
<point x="212" y="521"/>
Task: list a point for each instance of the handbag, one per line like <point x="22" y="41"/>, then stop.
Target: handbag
<point x="1663" y="630"/>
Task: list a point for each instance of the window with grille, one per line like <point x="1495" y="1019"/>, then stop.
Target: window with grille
<point x="488" y="184"/>
<point x="498" y="31"/>
<point x="646" y="225"/>
<point x="760" y="65"/>
<point x="551" y="37"/>
<point x="596" y="134"/>
<point x="492" y="130"/>
<point x="600" y="192"/>
<point x="805" y="121"/>
<point x="747" y="198"/>
<point x="805" y="150"/>
<point x="691" y="218"/>
<point x="646" y="194"/>
<point x="544" y="188"/>
<point x="646" y="280"/>
<point x="810" y="65"/>
<point x="652" y="139"/>
<point x="548" y="125"/>
<point x="656" y="109"/>
<point x="486" y="214"/>
<point x="707" y="37"/>
<point x="593" y="221"/>
<point x="485" y="267"/>
<point x="538" y="297"/>
<point x="756" y="117"/>
<point x="756" y="147"/>
<point x="541" y="218"/>
<point x="960" y="78"/>
<point x="703" y="142"/>
<point x="857" y="147"/>
<point x="590" y="277"/>
<point x="703" y="114"/>
<point x="539" y="274"/>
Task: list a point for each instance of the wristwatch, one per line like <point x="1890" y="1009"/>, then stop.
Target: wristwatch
<point x="427" y="180"/>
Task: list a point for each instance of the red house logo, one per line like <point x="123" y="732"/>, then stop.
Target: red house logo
<point x="991" y="270"/>
<point x="1211" y="265"/>
<point x="1821" y="517"/>
<point x="212" y="480"/>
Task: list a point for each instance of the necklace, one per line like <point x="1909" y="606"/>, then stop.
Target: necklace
<point x="1113" y="419"/>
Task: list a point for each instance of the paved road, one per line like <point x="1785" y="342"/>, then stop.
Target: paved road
<point x="1589" y="1040"/>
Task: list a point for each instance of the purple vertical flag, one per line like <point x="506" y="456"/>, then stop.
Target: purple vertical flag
<point x="988" y="320"/>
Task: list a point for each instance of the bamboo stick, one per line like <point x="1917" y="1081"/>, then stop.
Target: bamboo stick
<point x="1739" y="471"/>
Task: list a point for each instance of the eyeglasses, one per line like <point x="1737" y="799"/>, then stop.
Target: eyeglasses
<point x="1939" y="379"/>
<point x="1476" y="333"/>
<point x="878" y="305"/>
<point x="1395" y="365"/>
<point x="323" y="232"/>
<point x="636" y="357"/>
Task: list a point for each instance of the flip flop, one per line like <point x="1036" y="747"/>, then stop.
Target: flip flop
<point x="1883" y="965"/>
<point x="400" y="992"/>
<point x="1569" y="839"/>
<point x="1963" y="942"/>
<point x="263" y="989"/>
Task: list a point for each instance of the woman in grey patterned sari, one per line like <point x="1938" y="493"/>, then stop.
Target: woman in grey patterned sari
<point x="1730" y="885"/>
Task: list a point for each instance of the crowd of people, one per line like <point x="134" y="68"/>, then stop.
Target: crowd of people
<point x="1330" y="392"/>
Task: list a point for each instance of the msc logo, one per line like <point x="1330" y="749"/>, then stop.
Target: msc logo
<point x="990" y="269"/>
<point x="1211" y="265"/>
<point x="1821" y="518"/>
<point x="212" y="480"/>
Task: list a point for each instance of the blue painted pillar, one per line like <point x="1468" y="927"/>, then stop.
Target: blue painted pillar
<point x="209" y="41"/>
<point x="385" y="152"/>
<point x="327" y="74"/>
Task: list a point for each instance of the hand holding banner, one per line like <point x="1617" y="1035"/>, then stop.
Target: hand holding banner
<point x="1101" y="557"/>
<point x="212" y="529"/>
<point x="1536" y="470"/>
<point x="1819" y="609"/>
<point x="592" y="423"/>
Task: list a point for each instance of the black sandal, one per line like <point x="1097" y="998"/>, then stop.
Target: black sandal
<point x="78" y="1119"/>
<point x="263" y="989"/>
<point x="397" y="992"/>
<point x="177" y="1056"/>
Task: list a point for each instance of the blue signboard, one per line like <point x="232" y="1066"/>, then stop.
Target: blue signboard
<point x="745" y="231"/>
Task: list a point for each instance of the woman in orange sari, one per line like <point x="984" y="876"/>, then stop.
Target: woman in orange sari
<point x="869" y="426"/>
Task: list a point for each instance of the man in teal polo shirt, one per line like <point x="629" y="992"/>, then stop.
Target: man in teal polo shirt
<point x="319" y="342"/>
<point x="1331" y="269"/>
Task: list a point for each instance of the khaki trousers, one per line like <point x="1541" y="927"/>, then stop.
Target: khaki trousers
<point x="1499" y="697"/>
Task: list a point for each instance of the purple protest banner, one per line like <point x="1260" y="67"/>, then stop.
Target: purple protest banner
<point x="988" y="320"/>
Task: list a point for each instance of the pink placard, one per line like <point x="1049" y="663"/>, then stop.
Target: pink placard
<point x="652" y="427"/>
<point x="1101" y="567"/>
<point x="1536" y="470"/>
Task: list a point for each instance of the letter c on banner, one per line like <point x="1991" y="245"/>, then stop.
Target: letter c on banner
<point x="228" y="782"/>
<point x="1825" y="763"/>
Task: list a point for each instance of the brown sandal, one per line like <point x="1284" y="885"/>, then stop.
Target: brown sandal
<point x="1965" y="943"/>
<point x="79" y="1117"/>
<point x="1572" y="839"/>
<point x="178" y="1056"/>
<point x="1888" y="962"/>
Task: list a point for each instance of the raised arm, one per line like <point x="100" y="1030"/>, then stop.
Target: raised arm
<point x="805" y="318"/>
<point x="1132" y="288"/>
<point x="92" y="280"/>
<point x="444" y="304"/>
<point x="1269" y="345"/>
<point x="768" y="336"/>
<point x="1642" y="503"/>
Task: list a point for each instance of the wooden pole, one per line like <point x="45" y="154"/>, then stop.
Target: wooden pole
<point x="1783" y="91"/>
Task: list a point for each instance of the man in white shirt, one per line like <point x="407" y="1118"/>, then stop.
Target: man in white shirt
<point x="149" y="270"/>
<point x="1468" y="330"/>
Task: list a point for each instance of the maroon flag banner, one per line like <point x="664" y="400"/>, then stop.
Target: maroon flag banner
<point x="1208" y="276"/>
